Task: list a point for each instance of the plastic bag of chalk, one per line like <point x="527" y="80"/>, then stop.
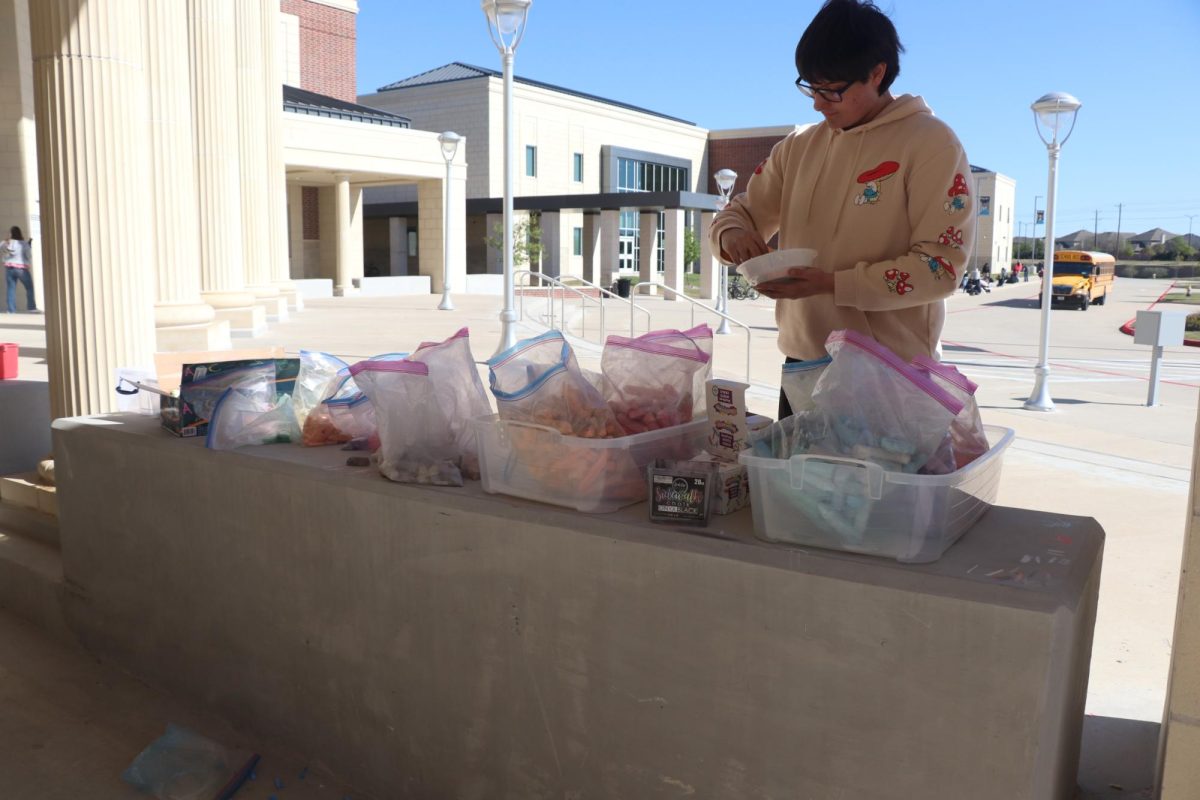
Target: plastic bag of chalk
<point x="459" y="391"/>
<point x="966" y="432"/>
<point x="417" y="442"/>
<point x="243" y="416"/>
<point x="880" y="408"/>
<point x="649" y="383"/>
<point x="798" y="380"/>
<point x="701" y="338"/>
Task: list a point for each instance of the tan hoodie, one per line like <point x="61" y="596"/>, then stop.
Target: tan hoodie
<point x="887" y="207"/>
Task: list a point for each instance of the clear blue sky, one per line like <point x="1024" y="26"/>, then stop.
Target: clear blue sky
<point x="979" y="65"/>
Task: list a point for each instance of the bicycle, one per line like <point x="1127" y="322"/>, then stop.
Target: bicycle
<point x="741" y="289"/>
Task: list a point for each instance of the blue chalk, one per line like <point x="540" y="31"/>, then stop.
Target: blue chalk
<point x="253" y="776"/>
<point x="278" y="783"/>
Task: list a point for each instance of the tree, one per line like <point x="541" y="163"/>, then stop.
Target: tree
<point x="1178" y="250"/>
<point x="527" y="242"/>
<point x="691" y="247"/>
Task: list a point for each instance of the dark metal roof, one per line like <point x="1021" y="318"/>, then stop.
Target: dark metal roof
<point x="644" y="201"/>
<point x="301" y="101"/>
<point x="458" y="71"/>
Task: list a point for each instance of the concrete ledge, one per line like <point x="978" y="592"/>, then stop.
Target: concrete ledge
<point x="436" y="642"/>
<point x="276" y="308"/>
<point x="26" y="491"/>
<point x="248" y="321"/>
<point x="394" y="285"/>
<point x="484" y="284"/>
<point x="313" y="288"/>
<point x="210" y="336"/>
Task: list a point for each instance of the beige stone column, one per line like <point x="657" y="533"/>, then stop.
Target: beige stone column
<point x="212" y="38"/>
<point x="495" y="258"/>
<point x="99" y="282"/>
<point x="343" y="284"/>
<point x="648" y="246"/>
<point x="181" y="320"/>
<point x="295" y="224"/>
<point x="254" y="173"/>
<point x="278" y="269"/>
<point x="18" y="150"/>
<point x="610" y="246"/>
<point x="397" y="246"/>
<point x="710" y="267"/>
<point x="673" y="251"/>
<point x="552" y="243"/>
<point x="591" y="247"/>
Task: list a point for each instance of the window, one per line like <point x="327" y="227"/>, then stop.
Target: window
<point x="530" y="161"/>
<point x="412" y="244"/>
<point x="578" y="159"/>
<point x="577" y="238"/>
<point x="642" y="176"/>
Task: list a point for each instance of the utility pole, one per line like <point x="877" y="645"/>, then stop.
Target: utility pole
<point x="1118" y="253"/>
<point x="1190" y="218"/>
<point x="1096" y="231"/>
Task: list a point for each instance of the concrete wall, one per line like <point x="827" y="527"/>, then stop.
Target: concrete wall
<point x="429" y="642"/>
<point x="994" y="231"/>
<point x="1180" y="741"/>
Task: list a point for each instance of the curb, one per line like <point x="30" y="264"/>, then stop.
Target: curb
<point x="1128" y="329"/>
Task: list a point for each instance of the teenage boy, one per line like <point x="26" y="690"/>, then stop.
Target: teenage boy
<point x="880" y="189"/>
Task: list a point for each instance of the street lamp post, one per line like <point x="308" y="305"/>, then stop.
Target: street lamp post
<point x="449" y="141"/>
<point x="725" y="179"/>
<point x="506" y="25"/>
<point x="1053" y="112"/>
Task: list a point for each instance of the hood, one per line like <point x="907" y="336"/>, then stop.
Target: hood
<point x="906" y="105"/>
<point x="1068" y="280"/>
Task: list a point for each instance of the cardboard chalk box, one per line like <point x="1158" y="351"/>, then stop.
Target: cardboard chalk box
<point x="183" y="414"/>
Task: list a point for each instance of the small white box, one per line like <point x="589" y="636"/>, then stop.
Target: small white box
<point x="1159" y="328"/>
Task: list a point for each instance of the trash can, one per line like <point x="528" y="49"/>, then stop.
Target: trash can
<point x="8" y="360"/>
<point x="624" y="287"/>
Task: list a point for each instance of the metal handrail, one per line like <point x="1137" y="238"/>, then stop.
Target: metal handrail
<point x="680" y="295"/>
<point x="633" y="306"/>
<point x="555" y="282"/>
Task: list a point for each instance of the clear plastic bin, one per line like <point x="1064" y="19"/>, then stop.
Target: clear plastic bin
<point x="846" y="504"/>
<point x="593" y="475"/>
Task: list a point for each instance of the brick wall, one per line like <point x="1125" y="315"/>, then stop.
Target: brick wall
<point x="327" y="39"/>
<point x="740" y="155"/>
<point x="310" y="213"/>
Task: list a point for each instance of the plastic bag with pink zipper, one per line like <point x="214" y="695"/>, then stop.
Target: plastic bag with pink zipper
<point x="648" y="383"/>
<point x="881" y="409"/>
<point x="966" y="431"/>
<point x="699" y="337"/>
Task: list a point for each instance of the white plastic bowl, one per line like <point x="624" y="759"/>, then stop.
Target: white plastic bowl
<point x="771" y="266"/>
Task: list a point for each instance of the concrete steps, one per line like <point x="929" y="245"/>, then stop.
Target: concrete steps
<point x="31" y="572"/>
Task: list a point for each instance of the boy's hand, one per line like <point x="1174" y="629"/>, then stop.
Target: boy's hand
<point x="800" y="282"/>
<point x="742" y="245"/>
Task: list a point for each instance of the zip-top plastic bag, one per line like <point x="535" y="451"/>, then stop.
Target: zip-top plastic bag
<point x="459" y="391"/>
<point x="317" y="373"/>
<point x="417" y="442"/>
<point x="798" y="380"/>
<point x="538" y="381"/>
<point x="966" y="431"/>
<point x="879" y="408"/>
<point x="343" y="414"/>
<point x="700" y="337"/>
<point x="202" y="390"/>
<point x="649" y="384"/>
<point x="242" y="417"/>
<point x="182" y="765"/>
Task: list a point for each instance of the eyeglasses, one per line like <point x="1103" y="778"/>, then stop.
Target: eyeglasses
<point x="824" y="92"/>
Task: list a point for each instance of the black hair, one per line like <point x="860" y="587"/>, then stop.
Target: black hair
<point x="15" y="233"/>
<point x="844" y="42"/>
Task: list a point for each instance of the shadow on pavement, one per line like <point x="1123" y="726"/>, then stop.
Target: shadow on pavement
<point x="1015" y="302"/>
<point x="1118" y="758"/>
<point x="1067" y="401"/>
<point x="961" y="348"/>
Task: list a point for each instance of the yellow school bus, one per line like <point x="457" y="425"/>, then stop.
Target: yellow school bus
<point x="1081" y="278"/>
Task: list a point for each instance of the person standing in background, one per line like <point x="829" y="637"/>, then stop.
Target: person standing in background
<point x="17" y="255"/>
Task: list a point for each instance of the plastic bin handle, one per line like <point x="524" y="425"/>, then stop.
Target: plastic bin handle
<point x="874" y="478"/>
<point x="504" y="425"/>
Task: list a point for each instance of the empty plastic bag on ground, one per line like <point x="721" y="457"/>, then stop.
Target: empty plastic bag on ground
<point x="181" y="765"/>
<point x="538" y="381"/>
<point x="700" y="337"/>
<point x="798" y="380"/>
<point x="649" y="383"/>
<point x="417" y="442"/>
<point x="879" y="408"/>
<point x="244" y="417"/>
<point x="966" y="432"/>
<point x="459" y="391"/>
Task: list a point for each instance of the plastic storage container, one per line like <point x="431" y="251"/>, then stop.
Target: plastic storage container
<point x="8" y="360"/>
<point x="593" y="475"/>
<point x="845" y="504"/>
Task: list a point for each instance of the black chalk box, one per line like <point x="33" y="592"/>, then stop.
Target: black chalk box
<point x="678" y="496"/>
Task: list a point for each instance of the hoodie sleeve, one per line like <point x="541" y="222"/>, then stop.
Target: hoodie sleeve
<point x="941" y="213"/>
<point x="757" y="208"/>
